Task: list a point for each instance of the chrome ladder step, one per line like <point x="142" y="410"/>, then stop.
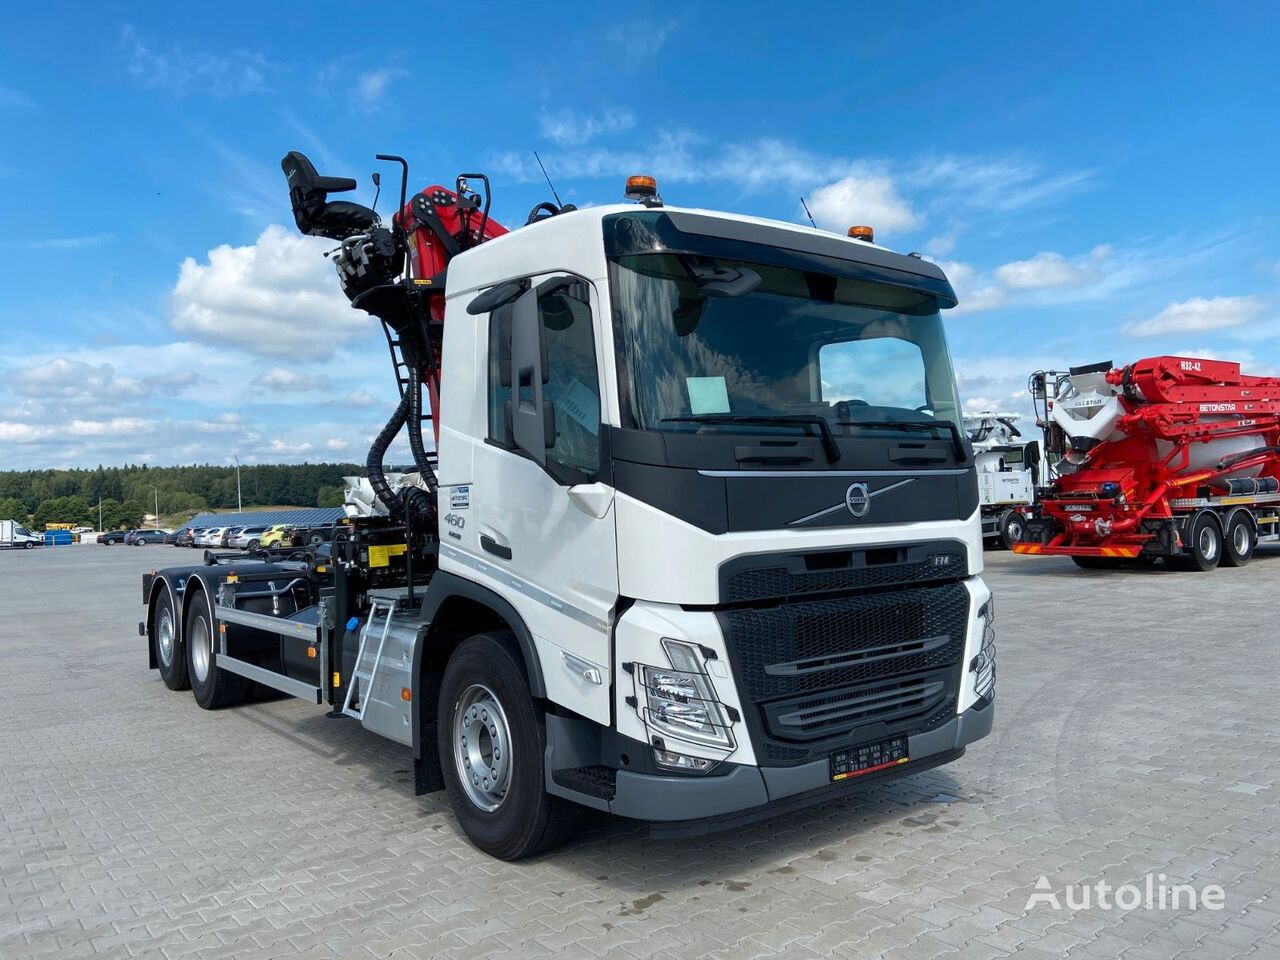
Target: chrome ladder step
<point x="366" y="668"/>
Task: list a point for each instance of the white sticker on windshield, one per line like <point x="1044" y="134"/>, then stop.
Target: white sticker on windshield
<point x="707" y="395"/>
<point x="582" y="404"/>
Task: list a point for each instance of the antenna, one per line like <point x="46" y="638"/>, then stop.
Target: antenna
<point x="549" y="183"/>
<point x="807" y="213"/>
<point x="377" y="182"/>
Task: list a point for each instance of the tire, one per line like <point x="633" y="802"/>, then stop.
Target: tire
<point x="1096" y="563"/>
<point x="316" y="539"/>
<point x="212" y="688"/>
<point x="484" y="685"/>
<point x="171" y="651"/>
<point x="28" y="545"/>
<point x="253" y="545"/>
<point x="1237" y="548"/>
<point x="1204" y="546"/>
<point x="1012" y="528"/>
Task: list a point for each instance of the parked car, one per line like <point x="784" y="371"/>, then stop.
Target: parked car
<point x="143" y="537"/>
<point x="274" y="536"/>
<point x="228" y="534"/>
<point x="210" y="537"/>
<point x="188" y="536"/>
<point x="171" y="538"/>
<point x="114" y="536"/>
<point x="248" y="538"/>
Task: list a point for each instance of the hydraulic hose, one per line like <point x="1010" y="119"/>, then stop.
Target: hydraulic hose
<point x="414" y="395"/>
<point x="378" y="450"/>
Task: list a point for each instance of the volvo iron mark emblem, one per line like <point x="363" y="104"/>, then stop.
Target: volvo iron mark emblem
<point x="858" y="499"/>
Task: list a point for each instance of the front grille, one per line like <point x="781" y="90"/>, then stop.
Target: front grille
<point x="797" y="575"/>
<point x="847" y="669"/>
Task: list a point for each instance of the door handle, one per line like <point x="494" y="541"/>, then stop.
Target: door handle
<point x="493" y="546"/>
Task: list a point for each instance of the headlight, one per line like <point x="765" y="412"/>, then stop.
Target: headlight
<point x="984" y="664"/>
<point x="680" y="701"/>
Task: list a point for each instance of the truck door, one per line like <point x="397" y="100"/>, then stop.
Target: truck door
<point x="544" y="523"/>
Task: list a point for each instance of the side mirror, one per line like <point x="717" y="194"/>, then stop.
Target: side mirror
<point x="529" y="422"/>
<point x="496" y="297"/>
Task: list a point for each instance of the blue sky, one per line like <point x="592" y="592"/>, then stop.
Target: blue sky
<point x="1098" y="180"/>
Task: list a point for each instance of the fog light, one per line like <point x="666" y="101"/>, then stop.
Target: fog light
<point x="678" y="761"/>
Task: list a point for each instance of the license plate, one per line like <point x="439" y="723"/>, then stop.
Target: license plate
<point x="856" y="761"/>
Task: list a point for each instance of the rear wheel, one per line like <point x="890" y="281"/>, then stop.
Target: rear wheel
<point x="212" y="688"/>
<point x="171" y="652"/>
<point x="1204" y="546"/>
<point x="491" y="740"/>
<point x="1240" y="540"/>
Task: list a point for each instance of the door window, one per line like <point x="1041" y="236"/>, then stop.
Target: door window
<point x="572" y="385"/>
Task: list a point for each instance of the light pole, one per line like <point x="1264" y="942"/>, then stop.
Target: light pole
<point x="239" y="499"/>
<point x="156" y="522"/>
<point x="99" y="513"/>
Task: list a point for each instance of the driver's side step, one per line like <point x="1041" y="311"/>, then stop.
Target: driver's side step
<point x="594" y="781"/>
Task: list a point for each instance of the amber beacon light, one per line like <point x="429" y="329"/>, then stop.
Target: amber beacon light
<point x="863" y="232"/>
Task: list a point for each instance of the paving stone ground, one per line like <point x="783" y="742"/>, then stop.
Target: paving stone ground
<point x="1136" y="733"/>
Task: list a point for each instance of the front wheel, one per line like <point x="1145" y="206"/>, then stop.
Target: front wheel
<point x="1204" y="548"/>
<point x="491" y="740"/>
<point x="253" y="545"/>
<point x="212" y="688"/>
<point x="28" y="545"/>
<point x="1012" y="529"/>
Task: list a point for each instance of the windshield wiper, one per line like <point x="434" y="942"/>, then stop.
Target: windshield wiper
<point x="829" y="444"/>
<point x="957" y="441"/>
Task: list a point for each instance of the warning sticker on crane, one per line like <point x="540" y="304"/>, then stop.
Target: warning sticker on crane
<point x="381" y="556"/>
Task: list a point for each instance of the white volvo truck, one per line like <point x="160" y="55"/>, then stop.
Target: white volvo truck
<point x="701" y="543"/>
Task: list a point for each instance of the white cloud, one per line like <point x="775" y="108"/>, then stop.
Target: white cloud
<point x="67" y="243"/>
<point x="642" y="38"/>
<point x="359" y="398"/>
<point x="1001" y="184"/>
<point x="1199" y="314"/>
<point x="371" y="86"/>
<point x="336" y="444"/>
<point x="571" y="129"/>
<point x="281" y="378"/>
<point x="871" y="199"/>
<point x="278" y="297"/>
<point x="14" y="99"/>
<point x="1047" y="269"/>
<point x="72" y="380"/>
<point x="181" y="71"/>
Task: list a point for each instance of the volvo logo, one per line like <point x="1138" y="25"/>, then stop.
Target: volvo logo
<point x="858" y="499"/>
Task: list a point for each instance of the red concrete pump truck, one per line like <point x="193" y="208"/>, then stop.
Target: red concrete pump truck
<point x="1172" y="457"/>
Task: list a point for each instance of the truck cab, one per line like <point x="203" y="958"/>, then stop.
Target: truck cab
<point x="716" y="466"/>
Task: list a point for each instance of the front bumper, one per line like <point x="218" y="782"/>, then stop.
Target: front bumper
<point x="748" y="793"/>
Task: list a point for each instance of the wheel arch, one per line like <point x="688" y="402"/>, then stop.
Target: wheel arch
<point x="456" y="608"/>
<point x="1230" y="518"/>
<point x="161" y="583"/>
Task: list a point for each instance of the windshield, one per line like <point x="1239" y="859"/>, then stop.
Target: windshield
<point x="796" y="344"/>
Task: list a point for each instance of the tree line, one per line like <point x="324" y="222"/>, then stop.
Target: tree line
<point x="126" y="493"/>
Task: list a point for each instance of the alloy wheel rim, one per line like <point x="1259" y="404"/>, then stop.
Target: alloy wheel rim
<point x="201" y="649"/>
<point x="482" y="747"/>
<point x="1208" y="544"/>
<point x="1241" y="539"/>
<point x="165" y="637"/>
